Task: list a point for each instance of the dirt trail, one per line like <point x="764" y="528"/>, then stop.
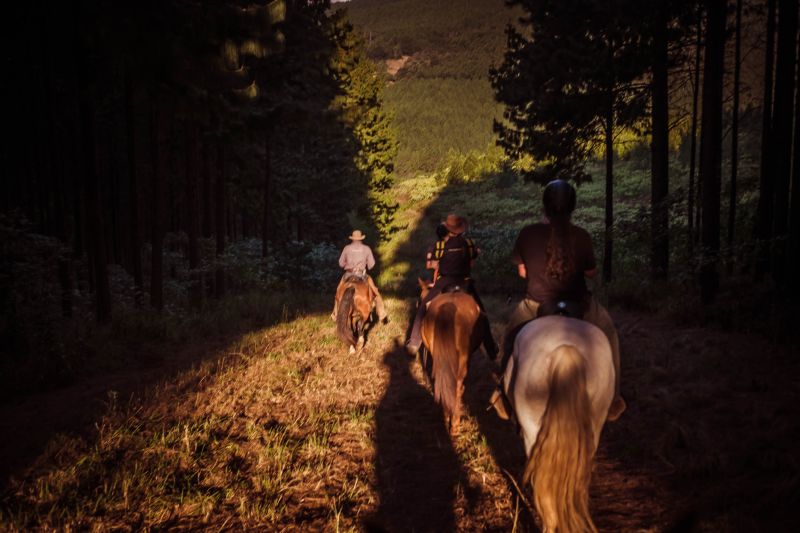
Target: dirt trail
<point x="287" y="432"/>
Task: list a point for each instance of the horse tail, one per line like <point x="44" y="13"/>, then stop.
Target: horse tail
<point x="559" y="466"/>
<point x="344" y="329"/>
<point x="445" y="358"/>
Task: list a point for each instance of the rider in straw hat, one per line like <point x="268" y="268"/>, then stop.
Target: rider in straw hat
<point x="356" y="260"/>
<point x="453" y="257"/>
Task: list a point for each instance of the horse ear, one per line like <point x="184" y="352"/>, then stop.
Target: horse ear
<point x="422" y="283"/>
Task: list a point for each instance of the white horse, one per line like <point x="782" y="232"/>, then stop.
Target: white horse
<point x="560" y="383"/>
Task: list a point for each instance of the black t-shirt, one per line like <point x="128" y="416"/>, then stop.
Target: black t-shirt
<point x="455" y="257"/>
<point x="531" y="250"/>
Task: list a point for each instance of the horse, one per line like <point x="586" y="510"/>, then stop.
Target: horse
<point x="354" y="313"/>
<point x="560" y="384"/>
<point x="452" y="329"/>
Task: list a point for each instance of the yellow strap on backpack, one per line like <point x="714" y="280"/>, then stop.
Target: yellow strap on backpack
<point x="439" y="251"/>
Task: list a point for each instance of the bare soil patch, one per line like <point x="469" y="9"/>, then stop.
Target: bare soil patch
<point x="393" y="66"/>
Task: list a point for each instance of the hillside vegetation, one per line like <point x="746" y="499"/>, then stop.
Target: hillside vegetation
<point x="441" y="97"/>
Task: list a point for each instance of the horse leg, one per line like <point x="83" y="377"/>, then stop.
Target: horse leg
<point x="359" y="334"/>
<point x="463" y="362"/>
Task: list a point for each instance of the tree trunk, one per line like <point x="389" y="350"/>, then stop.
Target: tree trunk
<point x="219" y="217"/>
<point x="65" y="279"/>
<point x="114" y="203"/>
<point x="732" y="199"/>
<point x="133" y="185"/>
<point x="782" y="128"/>
<point x="711" y="139"/>
<point x="659" y="260"/>
<point x="763" y="223"/>
<point x="156" y="202"/>
<point x="693" y="145"/>
<point x="208" y="214"/>
<point x="96" y="244"/>
<point x="59" y="190"/>
<point x="193" y="221"/>
<point x="794" y="208"/>
<point x="78" y="242"/>
<point x="609" y="218"/>
<point x="267" y="180"/>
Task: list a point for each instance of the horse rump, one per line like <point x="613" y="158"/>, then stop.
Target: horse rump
<point x="344" y="326"/>
<point x="560" y="463"/>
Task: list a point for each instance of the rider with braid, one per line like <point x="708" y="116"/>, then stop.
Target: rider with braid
<point x="555" y="258"/>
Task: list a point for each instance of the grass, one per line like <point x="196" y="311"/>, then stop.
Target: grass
<point x="242" y="439"/>
<point x="284" y="432"/>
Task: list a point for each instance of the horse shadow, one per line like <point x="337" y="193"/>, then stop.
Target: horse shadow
<point x="502" y="436"/>
<point x="417" y="467"/>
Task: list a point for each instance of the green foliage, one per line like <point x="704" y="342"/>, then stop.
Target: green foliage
<point x="446" y="38"/>
<point x="40" y="349"/>
<point x="470" y="167"/>
<point x="576" y="62"/>
<point x="433" y="116"/>
<point x="440" y="98"/>
<point x="362" y="106"/>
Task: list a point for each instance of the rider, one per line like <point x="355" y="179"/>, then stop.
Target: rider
<point x="356" y="259"/>
<point x="453" y="260"/>
<point x="431" y="262"/>
<point x="555" y="257"/>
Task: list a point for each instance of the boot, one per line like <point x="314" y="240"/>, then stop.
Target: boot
<point x="618" y="407"/>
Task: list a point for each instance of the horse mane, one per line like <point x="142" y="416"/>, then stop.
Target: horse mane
<point x="445" y="361"/>
<point x="560" y="465"/>
<point x="344" y="328"/>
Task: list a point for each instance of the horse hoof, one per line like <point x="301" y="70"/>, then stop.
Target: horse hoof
<point x="352" y="349"/>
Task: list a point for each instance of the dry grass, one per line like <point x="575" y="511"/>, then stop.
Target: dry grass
<point x="288" y="432"/>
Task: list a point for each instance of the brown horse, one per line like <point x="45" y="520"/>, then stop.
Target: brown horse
<point x="452" y="329"/>
<point x="354" y="314"/>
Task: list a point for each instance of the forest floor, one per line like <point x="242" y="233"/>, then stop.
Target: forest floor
<point x="282" y="430"/>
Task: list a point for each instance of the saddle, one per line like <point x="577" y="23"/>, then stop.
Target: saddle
<point x="568" y="308"/>
<point x="454" y="287"/>
<point x="355" y="275"/>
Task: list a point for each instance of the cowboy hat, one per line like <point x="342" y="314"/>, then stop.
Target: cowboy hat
<point x="357" y="235"/>
<point x="455" y="224"/>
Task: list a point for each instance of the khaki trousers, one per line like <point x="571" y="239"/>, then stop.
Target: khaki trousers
<point x="595" y="314"/>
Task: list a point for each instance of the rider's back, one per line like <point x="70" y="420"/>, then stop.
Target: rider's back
<point x="531" y="249"/>
<point x="356" y="257"/>
<point x="456" y="257"/>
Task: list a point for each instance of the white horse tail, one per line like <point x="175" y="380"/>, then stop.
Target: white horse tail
<point x="560" y="464"/>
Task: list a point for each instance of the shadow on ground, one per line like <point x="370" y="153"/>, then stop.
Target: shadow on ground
<point x="35" y="420"/>
<point x="417" y="468"/>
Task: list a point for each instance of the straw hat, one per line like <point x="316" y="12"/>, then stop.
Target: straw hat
<point x="455" y="224"/>
<point x="356" y="235"/>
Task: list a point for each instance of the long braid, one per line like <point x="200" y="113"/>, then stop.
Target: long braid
<point x="560" y="263"/>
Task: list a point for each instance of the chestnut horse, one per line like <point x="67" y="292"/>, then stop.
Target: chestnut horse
<point x="354" y="314"/>
<point x="560" y="383"/>
<point x="452" y="329"/>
